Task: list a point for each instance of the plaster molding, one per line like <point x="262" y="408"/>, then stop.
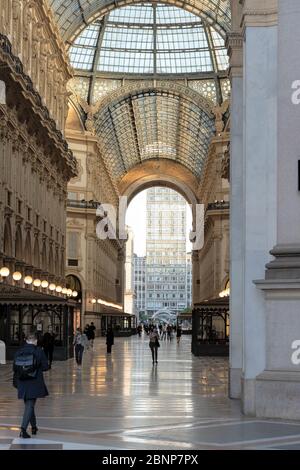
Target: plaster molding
<point x="259" y="13"/>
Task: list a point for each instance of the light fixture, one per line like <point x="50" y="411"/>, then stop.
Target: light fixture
<point x="17" y="276"/>
<point x="52" y="287"/>
<point x="45" y="284"/>
<point x="65" y="290"/>
<point x="74" y="293"/>
<point x="110" y="304"/>
<point x="225" y="293"/>
<point x="69" y="292"/>
<point x="37" y="282"/>
<point x="28" y="280"/>
<point x="94" y="301"/>
<point x="4" y="272"/>
<point x="58" y="289"/>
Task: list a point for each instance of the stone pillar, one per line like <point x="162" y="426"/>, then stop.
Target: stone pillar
<point x="278" y="386"/>
<point x="120" y="288"/>
<point x="195" y="277"/>
<point x="235" y="51"/>
<point x="259" y="181"/>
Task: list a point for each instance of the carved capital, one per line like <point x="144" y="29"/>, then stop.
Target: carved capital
<point x="234" y="44"/>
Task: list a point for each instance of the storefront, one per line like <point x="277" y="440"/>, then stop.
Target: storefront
<point x="123" y="324"/>
<point x="211" y="328"/>
<point x="22" y="310"/>
<point x="184" y="320"/>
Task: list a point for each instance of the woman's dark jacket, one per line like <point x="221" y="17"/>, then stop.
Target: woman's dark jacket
<point x="34" y="388"/>
<point x="179" y="332"/>
<point x="110" y="338"/>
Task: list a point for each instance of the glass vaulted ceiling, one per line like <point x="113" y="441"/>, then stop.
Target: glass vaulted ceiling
<point x="149" y="39"/>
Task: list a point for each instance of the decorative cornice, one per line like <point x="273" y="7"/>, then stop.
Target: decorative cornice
<point x="259" y="13"/>
<point x="16" y="67"/>
<point x="49" y="19"/>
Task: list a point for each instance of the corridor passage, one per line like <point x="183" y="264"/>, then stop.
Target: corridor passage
<point x="121" y="401"/>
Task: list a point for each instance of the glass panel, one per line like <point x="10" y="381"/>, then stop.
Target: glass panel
<point x="129" y="44"/>
<point x="82" y="57"/>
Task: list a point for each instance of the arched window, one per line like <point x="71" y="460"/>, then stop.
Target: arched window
<point x="63" y="263"/>
<point x="7" y="245"/>
<point x="74" y="283"/>
<point x="36" y="254"/>
<point x="51" y="264"/>
<point x="28" y="249"/>
<point x="57" y="264"/>
<point x="44" y="257"/>
<point x="18" y="244"/>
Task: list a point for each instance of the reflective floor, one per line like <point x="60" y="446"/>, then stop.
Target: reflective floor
<point x="121" y="401"/>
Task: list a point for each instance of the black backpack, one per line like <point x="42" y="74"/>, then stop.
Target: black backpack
<point x="25" y="365"/>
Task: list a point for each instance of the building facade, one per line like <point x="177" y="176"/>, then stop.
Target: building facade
<point x="129" y="295"/>
<point x="140" y="285"/>
<point x="166" y="267"/>
<point x="35" y="167"/>
<point x="97" y="262"/>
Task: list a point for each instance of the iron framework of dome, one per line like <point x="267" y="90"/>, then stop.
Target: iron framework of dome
<point x="150" y="39"/>
<point x="147" y="78"/>
<point x="74" y="15"/>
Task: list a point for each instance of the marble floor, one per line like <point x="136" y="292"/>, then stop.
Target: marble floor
<point x="120" y="401"/>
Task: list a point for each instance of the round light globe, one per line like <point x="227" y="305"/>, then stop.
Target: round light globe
<point x="28" y="280"/>
<point x="45" y="284"/>
<point x="4" y="272"/>
<point x="17" y="276"/>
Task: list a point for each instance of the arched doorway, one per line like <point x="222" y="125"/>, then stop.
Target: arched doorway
<point x="74" y="283"/>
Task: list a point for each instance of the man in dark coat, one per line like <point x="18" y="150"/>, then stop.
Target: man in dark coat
<point x="31" y="389"/>
<point x="48" y="346"/>
<point x="109" y="339"/>
<point x="91" y="332"/>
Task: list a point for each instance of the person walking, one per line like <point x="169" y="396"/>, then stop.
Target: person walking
<point x="29" y="364"/>
<point x="87" y="332"/>
<point x="139" y="330"/>
<point x="169" y="332"/>
<point x="109" y="339"/>
<point x="178" y="333"/>
<point x="154" y="343"/>
<point x="80" y="342"/>
<point x="91" y="334"/>
<point x="48" y="345"/>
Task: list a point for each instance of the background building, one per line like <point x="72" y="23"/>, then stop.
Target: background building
<point x="166" y="267"/>
<point x="129" y="294"/>
<point x="189" y="280"/>
<point x="140" y="285"/>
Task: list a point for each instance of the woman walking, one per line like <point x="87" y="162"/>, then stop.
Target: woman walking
<point x="80" y="342"/>
<point x="154" y="343"/>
